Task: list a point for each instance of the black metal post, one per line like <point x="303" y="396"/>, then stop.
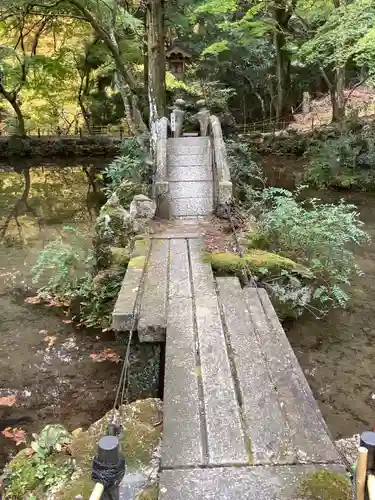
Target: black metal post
<point x="368" y="441"/>
<point x="109" y="453"/>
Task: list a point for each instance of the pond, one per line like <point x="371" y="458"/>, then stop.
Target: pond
<point x="45" y="360"/>
<point x="337" y="352"/>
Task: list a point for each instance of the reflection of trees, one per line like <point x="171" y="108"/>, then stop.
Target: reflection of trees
<point x="20" y="207"/>
<point x="49" y="196"/>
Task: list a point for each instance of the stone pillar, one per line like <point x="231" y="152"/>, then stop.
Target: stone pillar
<point x="203" y="117"/>
<point x="179" y="114"/>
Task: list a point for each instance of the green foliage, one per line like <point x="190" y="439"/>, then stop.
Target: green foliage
<point x="51" y="439"/>
<point x="347" y="161"/>
<point x="61" y="265"/>
<point x="130" y="166"/>
<point x="32" y="474"/>
<point x="244" y="170"/>
<point x="319" y="236"/>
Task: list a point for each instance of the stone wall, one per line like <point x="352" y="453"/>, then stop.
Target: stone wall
<point x="63" y="146"/>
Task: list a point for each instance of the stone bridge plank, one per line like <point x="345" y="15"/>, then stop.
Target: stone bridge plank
<point x="125" y="310"/>
<point x="153" y="313"/>
<point x="182" y="434"/>
<point x="310" y="435"/>
<point x="267" y="427"/>
<point x="237" y="483"/>
<point x="225" y="436"/>
<point x="179" y="272"/>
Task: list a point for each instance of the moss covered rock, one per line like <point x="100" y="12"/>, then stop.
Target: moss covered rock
<point x="259" y="262"/>
<point x="325" y="485"/>
<point x="140" y="438"/>
<point x="128" y="190"/>
<point x="62" y="476"/>
<point x="119" y="256"/>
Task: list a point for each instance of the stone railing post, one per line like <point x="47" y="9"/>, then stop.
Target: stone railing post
<point x="223" y="184"/>
<point x="179" y="113"/>
<point x="203" y="117"/>
<point x="161" y="185"/>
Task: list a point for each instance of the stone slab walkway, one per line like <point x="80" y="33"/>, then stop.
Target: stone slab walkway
<point x="238" y="411"/>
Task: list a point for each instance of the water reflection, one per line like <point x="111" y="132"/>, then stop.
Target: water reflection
<point x="32" y="198"/>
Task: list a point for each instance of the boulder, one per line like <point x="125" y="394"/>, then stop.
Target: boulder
<point x="142" y="207"/>
<point x="142" y="211"/>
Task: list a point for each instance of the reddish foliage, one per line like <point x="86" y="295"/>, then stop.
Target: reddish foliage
<point x="106" y="355"/>
<point x="16" y="435"/>
<point x="8" y="400"/>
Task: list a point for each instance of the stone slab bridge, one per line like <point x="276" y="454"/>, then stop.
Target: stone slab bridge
<point x="240" y="420"/>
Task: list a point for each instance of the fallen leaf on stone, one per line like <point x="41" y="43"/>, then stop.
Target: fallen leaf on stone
<point x="8" y="400"/>
<point x="43" y="332"/>
<point x="16" y="435"/>
<point x="106" y="355"/>
<point x="33" y="300"/>
<point x="50" y="340"/>
<point x="67" y="321"/>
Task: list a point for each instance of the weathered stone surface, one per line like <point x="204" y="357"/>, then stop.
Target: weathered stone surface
<point x="183" y="173"/>
<point x="191" y="189"/>
<point x="190" y="145"/>
<point x="226" y="441"/>
<point x="182" y="444"/>
<point x="125" y="312"/>
<point x="240" y="483"/>
<point x="269" y="436"/>
<point x="153" y="313"/>
<point x="142" y="207"/>
<point x="310" y="435"/>
<point x="179" y="273"/>
<point x="181" y="207"/>
<point x="184" y="160"/>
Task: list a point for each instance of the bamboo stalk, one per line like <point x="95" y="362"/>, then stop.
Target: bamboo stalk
<point x="371" y="486"/>
<point x="97" y="492"/>
<point x="361" y="471"/>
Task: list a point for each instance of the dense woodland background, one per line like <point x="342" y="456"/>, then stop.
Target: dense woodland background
<point x="71" y="63"/>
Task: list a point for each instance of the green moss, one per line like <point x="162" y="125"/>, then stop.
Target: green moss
<point x="257" y="239"/>
<point x="149" y="494"/>
<point x="259" y="262"/>
<point x="325" y="485"/>
<point x="137" y="262"/>
<point x="139" y="439"/>
<point x="20" y="476"/>
<point x="119" y="256"/>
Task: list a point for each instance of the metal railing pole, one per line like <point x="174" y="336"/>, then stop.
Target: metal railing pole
<point x="108" y="454"/>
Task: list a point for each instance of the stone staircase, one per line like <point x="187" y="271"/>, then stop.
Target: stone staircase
<point x="190" y="176"/>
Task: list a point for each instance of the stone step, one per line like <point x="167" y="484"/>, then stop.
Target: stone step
<point x="191" y="207"/>
<point x="192" y="189"/>
<point x="201" y="159"/>
<point x="192" y="173"/>
<point x="126" y="310"/>
<point x="153" y="311"/>
<point x="226" y="442"/>
<point x="238" y="483"/>
<point x="188" y="145"/>
<point x="309" y="431"/>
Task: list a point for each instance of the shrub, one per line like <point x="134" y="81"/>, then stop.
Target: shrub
<point x="319" y="236"/>
<point x="244" y="170"/>
<point x="345" y="162"/>
<point x="62" y="264"/>
<point x="130" y="166"/>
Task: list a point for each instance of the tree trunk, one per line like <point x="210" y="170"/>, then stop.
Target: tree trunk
<point x="156" y="60"/>
<point x="282" y="105"/>
<point x="338" y="102"/>
<point x="20" y="118"/>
